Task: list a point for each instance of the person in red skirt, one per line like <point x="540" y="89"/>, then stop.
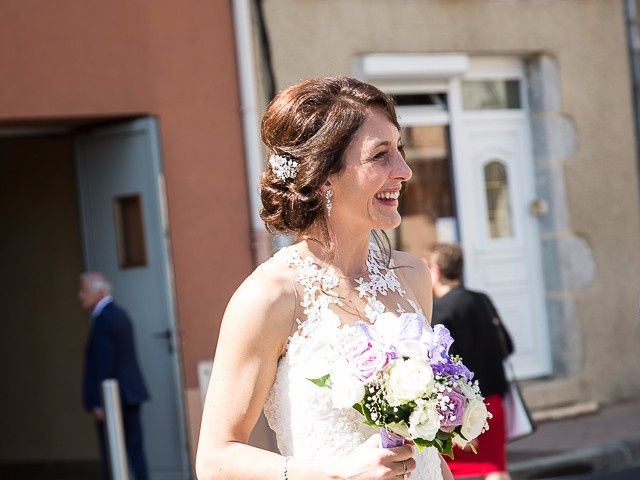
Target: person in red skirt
<point x="469" y="317"/>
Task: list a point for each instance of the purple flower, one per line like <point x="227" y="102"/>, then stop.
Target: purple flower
<point x="360" y="345"/>
<point x="451" y="408"/>
<point x="439" y="343"/>
<point x="451" y="368"/>
<point x="369" y="362"/>
<point x="398" y="335"/>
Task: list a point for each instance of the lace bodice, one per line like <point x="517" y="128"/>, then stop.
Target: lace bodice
<point x="301" y="414"/>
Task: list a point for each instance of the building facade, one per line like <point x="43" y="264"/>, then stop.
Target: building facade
<point x="518" y="120"/>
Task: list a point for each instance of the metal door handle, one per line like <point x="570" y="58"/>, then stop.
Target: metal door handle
<point x="168" y="336"/>
<point x="539" y="208"/>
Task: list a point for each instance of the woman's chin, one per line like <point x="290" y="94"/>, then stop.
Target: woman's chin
<point x="387" y="223"/>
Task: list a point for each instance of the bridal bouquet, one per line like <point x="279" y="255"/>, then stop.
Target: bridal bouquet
<point x="399" y="375"/>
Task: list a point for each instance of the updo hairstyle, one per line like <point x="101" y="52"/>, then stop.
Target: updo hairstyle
<point x="313" y="123"/>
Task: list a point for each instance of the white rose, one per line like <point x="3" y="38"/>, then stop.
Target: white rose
<point x="413" y="349"/>
<point x="424" y="421"/>
<point x="346" y="389"/>
<point x="408" y="380"/>
<point x="474" y="419"/>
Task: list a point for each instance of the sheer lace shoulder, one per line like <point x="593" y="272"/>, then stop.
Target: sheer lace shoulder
<point x="305" y="422"/>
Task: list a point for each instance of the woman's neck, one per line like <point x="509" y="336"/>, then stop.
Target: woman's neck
<point x="349" y="253"/>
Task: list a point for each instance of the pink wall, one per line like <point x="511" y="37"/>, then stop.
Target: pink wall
<point x="175" y="60"/>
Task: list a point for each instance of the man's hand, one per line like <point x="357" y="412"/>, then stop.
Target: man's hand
<point x="98" y="414"/>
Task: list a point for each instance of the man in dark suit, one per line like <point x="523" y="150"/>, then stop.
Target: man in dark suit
<point x="110" y="353"/>
<point x="483" y="343"/>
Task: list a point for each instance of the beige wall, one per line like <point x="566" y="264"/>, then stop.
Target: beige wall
<point x="43" y="330"/>
<point x="587" y="39"/>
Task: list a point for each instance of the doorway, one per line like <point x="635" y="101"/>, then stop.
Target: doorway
<point x="466" y="128"/>
<point x="54" y="225"/>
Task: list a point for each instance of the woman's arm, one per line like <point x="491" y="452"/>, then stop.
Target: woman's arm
<point x="254" y="330"/>
<point x="446" y="471"/>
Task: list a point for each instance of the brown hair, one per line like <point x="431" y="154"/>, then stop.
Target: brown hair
<point x="313" y="123"/>
<point x="448" y="258"/>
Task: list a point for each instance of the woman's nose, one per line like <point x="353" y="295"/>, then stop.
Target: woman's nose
<point x="401" y="170"/>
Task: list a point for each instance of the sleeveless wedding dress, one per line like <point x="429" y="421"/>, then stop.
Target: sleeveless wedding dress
<point x="301" y="414"/>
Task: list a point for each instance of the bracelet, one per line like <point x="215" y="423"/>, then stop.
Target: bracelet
<point x="285" y="472"/>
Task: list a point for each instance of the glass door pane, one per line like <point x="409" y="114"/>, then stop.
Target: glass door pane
<point x="427" y="205"/>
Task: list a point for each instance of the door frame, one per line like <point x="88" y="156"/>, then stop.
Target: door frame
<point x="426" y="73"/>
<point x="150" y="125"/>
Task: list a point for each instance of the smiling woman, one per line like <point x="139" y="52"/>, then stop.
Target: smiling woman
<point x="314" y="123"/>
<point x="334" y="177"/>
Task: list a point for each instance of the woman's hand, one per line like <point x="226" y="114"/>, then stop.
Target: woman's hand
<point x="370" y="462"/>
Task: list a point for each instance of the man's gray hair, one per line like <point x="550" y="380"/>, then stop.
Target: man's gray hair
<point x="97" y="281"/>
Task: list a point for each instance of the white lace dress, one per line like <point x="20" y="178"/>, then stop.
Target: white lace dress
<point x="300" y="413"/>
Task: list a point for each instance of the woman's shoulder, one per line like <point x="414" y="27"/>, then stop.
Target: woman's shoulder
<point x="416" y="276"/>
<point x="413" y="267"/>
<point x="267" y="295"/>
<point x="271" y="281"/>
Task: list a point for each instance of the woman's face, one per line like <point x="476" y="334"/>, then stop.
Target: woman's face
<point x="365" y="192"/>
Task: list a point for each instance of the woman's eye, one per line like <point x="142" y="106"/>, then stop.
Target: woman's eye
<point x="379" y="155"/>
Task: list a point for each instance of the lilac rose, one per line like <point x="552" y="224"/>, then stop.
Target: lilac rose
<point x="451" y="409"/>
<point x="369" y="362"/>
<point x="357" y="347"/>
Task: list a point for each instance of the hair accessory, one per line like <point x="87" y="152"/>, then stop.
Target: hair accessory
<point x="285" y="168"/>
<point x="328" y="194"/>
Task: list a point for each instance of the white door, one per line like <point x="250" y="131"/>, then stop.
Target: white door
<point x="126" y="236"/>
<point x="494" y="175"/>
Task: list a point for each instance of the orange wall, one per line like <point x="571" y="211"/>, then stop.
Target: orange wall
<point x="172" y="59"/>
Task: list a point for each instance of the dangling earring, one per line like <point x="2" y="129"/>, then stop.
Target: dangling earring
<point x="328" y="194"/>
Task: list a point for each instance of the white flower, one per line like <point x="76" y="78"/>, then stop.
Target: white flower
<point x="424" y="421"/>
<point x="467" y="390"/>
<point x="407" y="334"/>
<point x="474" y="420"/>
<point x="346" y="389"/>
<point x="408" y="380"/>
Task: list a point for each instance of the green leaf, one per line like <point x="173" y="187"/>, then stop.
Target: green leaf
<point x="422" y="444"/>
<point x="323" y="382"/>
<point x="447" y="448"/>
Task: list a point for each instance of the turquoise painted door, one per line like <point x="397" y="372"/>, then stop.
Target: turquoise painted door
<point x="125" y="233"/>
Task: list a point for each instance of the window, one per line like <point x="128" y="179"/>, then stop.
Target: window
<point x="497" y="192"/>
<point x="491" y="95"/>
<point x="130" y="231"/>
<point x="427" y="203"/>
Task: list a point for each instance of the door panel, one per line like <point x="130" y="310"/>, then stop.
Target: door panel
<point x="494" y="176"/>
<point x="126" y="237"/>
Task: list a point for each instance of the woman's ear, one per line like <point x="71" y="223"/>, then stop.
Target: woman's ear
<point x="326" y="186"/>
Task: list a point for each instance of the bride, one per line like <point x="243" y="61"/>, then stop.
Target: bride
<point x="333" y="180"/>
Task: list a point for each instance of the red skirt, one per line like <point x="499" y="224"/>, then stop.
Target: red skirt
<point x="492" y="447"/>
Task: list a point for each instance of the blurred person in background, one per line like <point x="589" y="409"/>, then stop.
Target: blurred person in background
<point x="469" y="316"/>
<point x="110" y="353"/>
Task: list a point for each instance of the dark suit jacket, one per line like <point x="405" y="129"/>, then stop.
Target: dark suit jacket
<point x="110" y="353"/>
<point x="469" y="317"/>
